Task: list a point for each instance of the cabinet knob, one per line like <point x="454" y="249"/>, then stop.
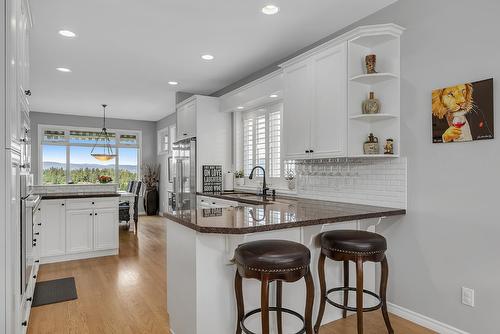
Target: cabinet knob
<point x="62" y="204"/>
<point x="311" y="151"/>
<point x="184" y="134"/>
<point x="37" y="261"/>
<point x="39" y="209"/>
<point x="24" y="323"/>
<point x="91" y="213"/>
<point x="27" y="92"/>
<point x="307" y="151"/>
<point x="93" y="203"/>
<point x="29" y="299"/>
<point x="95" y="214"/>
<point x="37" y="233"/>
<point x="34" y="244"/>
<point x="34" y="276"/>
<point x="39" y="224"/>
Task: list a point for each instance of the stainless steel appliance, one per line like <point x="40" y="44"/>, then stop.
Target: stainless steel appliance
<point x="184" y="154"/>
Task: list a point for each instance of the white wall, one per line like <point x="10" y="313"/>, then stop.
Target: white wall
<point x="449" y="238"/>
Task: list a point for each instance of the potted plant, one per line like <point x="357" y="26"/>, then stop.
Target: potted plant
<point x="240" y="178"/>
<point x="104" y="179"/>
<point x="151" y="178"/>
<point x="290" y="179"/>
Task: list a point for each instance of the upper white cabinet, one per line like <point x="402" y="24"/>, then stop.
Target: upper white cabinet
<point x="186" y="119"/>
<point x="324" y="89"/>
<point x="315" y="105"/>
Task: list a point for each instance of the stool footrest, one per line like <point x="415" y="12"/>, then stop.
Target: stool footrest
<point x="354" y="309"/>
<point x="272" y="309"/>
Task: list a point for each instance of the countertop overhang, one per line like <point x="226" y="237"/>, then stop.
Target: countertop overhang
<point x="77" y="195"/>
<point x="286" y="212"/>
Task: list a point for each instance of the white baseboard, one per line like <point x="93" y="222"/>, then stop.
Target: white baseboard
<point x="78" y="256"/>
<point x="423" y="320"/>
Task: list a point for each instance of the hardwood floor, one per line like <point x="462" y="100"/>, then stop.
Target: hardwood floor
<point x="127" y="293"/>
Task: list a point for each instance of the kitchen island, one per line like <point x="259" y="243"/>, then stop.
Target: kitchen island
<point x="200" y="246"/>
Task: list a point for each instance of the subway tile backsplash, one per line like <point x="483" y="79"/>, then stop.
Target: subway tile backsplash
<point x="380" y="182"/>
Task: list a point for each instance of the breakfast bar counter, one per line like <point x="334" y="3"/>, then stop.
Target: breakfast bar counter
<point x="201" y="240"/>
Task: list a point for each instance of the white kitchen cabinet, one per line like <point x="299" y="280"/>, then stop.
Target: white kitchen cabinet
<point x="53" y="229"/>
<point x="105" y="229"/>
<point x="186" y="120"/>
<point x="315" y="105"/>
<point x="296" y="110"/>
<point x="79" y="231"/>
<point x="79" y="228"/>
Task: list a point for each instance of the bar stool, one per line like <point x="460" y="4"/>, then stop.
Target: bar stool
<point x="359" y="247"/>
<point x="268" y="261"/>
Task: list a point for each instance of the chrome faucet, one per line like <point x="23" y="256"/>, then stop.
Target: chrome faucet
<point x="264" y="187"/>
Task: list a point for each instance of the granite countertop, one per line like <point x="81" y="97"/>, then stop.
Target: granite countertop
<point x="77" y="195"/>
<point x="285" y="212"/>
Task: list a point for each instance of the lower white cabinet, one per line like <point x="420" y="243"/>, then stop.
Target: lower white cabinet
<point x="53" y="229"/>
<point x="78" y="228"/>
<point x="79" y="231"/>
<point x="105" y="228"/>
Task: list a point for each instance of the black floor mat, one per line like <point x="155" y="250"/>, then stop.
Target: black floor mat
<point x="55" y="291"/>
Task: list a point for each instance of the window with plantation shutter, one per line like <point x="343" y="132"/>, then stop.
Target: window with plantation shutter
<point x="262" y="140"/>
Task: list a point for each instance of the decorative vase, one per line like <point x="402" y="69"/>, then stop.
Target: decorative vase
<point x="371" y="62"/>
<point x="240" y="181"/>
<point x="371" y="105"/>
<point x="371" y="145"/>
<point x="151" y="201"/>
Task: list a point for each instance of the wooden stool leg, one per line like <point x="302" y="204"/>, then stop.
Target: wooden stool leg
<point x="239" y="301"/>
<point x="309" y="302"/>
<point x="279" y="297"/>
<point x="383" y="293"/>
<point x="346" y="285"/>
<point x="359" y="294"/>
<point x="264" y="302"/>
<point x="322" y="284"/>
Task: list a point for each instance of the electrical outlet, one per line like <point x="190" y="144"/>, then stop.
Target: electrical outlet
<point x="468" y="296"/>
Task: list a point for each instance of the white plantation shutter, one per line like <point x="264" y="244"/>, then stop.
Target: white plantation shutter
<point x="262" y="140"/>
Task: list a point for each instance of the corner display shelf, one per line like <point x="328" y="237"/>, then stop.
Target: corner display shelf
<point x="384" y="42"/>
<point x="370" y="79"/>
<point x="373" y="117"/>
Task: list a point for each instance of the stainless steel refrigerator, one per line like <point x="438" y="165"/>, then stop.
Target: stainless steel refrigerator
<point x="184" y="156"/>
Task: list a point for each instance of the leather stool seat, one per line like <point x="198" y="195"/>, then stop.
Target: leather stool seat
<point x="272" y="256"/>
<point x="354" y="242"/>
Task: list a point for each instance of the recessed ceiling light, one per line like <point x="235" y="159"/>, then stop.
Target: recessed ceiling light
<point x="207" y="57"/>
<point x="63" y="69"/>
<point x="173" y="83"/>
<point x="273" y="96"/>
<point x="240" y="107"/>
<point x="270" y="9"/>
<point x="67" y="33"/>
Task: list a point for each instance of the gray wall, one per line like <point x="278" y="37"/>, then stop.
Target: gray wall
<point x="148" y="129"/>
<point x="449" y="238"/>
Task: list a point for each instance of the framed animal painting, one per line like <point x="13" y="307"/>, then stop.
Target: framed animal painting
<point x="463" y="112"/>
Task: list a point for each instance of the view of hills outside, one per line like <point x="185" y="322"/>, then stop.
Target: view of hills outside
<point x="84" y="168"/>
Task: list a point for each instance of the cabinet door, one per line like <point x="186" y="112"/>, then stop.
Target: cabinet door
<point x="53" y="229"/>
<point x="297" y="110"/>
<point x="106" y="229"/>
<point x="329" y="120"/>
<point x="79" y="231"/>
<point x="186" y="120"/>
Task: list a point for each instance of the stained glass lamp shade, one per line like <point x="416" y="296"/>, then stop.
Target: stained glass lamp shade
<point x="102" y="149"/>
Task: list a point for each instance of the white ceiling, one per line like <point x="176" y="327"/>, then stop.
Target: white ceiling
<point x="126" y="51"/>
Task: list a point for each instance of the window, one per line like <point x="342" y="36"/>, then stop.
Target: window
<point x="262" y="140"/>
<point x="65" y="156"/>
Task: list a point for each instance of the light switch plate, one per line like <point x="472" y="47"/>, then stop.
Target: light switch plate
<point x="468" y="296"/>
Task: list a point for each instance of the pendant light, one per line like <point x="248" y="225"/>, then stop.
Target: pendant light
<point x="107" y="151"/>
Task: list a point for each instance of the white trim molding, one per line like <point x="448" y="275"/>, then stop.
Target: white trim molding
<point x="423" y="320"/>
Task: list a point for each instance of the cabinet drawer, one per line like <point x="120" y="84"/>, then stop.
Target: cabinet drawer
<point x="80" y="204"/>
<point x="101" y="203"/>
